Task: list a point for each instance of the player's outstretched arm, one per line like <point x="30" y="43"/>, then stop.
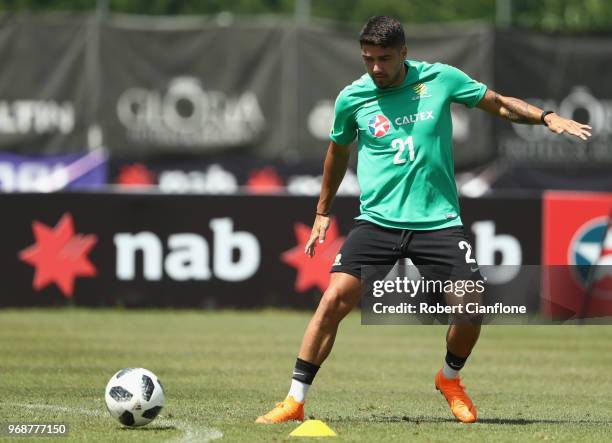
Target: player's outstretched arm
<point x="518" y="111"/>
<point x="336" y="162"/>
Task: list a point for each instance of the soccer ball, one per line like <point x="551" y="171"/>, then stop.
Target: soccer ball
<point x="134" y="396"/>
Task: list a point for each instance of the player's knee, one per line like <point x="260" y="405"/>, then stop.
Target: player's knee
<point x="331" y="302"/>
<point x="334" y="305"/>
<point x="468" y="319"/>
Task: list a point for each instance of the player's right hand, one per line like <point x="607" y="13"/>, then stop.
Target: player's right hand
<point x="319" y="228"/>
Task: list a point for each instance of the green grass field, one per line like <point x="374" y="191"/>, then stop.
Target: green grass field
<point x="222" y="369"/>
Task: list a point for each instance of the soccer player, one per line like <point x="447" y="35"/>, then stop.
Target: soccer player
<point x="400" y="114"/>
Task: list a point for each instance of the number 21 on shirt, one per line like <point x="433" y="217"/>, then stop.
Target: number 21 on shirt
<point x="401" y="144"/>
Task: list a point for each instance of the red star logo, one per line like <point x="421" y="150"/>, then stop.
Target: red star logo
<point x="59" y="255"/>
<point x="313" y="271"/>
<point x="379" y="125"/>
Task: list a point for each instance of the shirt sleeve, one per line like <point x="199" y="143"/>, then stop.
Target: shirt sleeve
<point x="462" y="88"/>
<point x="344" y="129"/>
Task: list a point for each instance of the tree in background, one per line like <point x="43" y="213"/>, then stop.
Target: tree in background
<point x="563" y="15"/>
<point x="548" y="15"/>
<point x="414" y="11"/>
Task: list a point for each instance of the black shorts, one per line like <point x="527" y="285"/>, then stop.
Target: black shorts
<point x="440" y="253"/>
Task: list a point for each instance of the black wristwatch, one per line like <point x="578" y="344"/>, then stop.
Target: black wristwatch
<point x="544" y="114"/>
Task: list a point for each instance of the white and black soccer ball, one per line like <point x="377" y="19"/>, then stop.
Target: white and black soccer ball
<point x="134" y="396"/>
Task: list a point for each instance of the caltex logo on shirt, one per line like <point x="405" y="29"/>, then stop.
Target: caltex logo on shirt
<point x="379" y="125"/>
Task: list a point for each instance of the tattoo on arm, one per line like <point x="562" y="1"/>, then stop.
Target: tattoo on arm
<point x="516" y="110"/>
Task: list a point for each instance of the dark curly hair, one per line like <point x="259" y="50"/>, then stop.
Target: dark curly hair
<point x="383" y="31"/>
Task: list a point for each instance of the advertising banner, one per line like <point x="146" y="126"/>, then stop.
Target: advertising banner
<point x="228" y="175"/>
<point x="563" y="74"/>
<point x="267" y="90"/>
<point x="146" y="86"/>
<point x="199" y="88"/>
<point x="577" y="233"/>
<point x="159" y="86"/>
<point x="201" y="251"/>
<point x="49" y="173"/>
<point x="45" y="87"/>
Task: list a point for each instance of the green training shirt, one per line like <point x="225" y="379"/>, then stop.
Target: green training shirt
<point x="405" y="162"/>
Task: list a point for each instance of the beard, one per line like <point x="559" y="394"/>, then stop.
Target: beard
<point x="387" y="82"/>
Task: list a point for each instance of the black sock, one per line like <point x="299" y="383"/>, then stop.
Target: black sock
<point x="304" y="371"/>
<point x="453" y="361"/>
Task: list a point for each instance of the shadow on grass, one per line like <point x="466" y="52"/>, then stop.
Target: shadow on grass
<point x="484" y="420"/>
<point x="149" y="428"/>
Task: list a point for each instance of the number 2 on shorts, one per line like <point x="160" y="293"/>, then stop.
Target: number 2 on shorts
<point x="468" y="255"/>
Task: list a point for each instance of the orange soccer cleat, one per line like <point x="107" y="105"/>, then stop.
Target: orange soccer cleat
<point x="460" y="404"/>
<point x="287" y="410"/>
